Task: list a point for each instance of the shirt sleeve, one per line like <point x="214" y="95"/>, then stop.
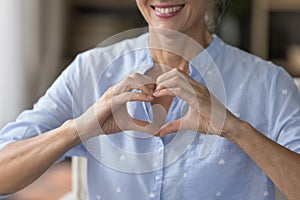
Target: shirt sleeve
<point x="285" y="111"/>
<point x="50" y="112"/>
<point x="5" y="196"/>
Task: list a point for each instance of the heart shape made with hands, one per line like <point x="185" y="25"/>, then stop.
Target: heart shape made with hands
<point x="157" y="127"/>
<point x="174" y="83"/>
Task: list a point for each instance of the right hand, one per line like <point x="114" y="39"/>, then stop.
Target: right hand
<point x="109" y="114"/>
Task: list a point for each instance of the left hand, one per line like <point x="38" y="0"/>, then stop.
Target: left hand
<point x="206" y="114"/>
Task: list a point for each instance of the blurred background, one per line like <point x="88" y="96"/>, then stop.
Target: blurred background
<point x="38" y="39"/>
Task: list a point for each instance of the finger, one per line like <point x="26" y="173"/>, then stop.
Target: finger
<point x="136" y="81"/>
<point x="145" y="83"/>
<point x="170" y="127"/>
<point x="143" y="126"/>
<point x="171" y="74"/>
<point x="130" y="96"/>
<point x="147" y="88"/>
<point x="186" y="95"/>
<point x="167" y="92"/>
<point x="172" y="82"/>
<point x="165" y="76"/>
<point x="125" y="122"/>
<point x="177" y="80"/>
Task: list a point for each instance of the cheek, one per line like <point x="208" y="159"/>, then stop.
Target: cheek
<point x="143" y="8"/>
<point x="197" y="3"/>
<point x="198" y="8"/>
<point x="141" y="2"/>
<point x="192" y="1"/>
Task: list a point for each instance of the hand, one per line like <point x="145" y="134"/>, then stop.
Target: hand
<point x="206" y="114"/>
<point x="109" y="114"/>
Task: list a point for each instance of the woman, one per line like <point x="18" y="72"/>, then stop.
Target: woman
<point x="164" y="84"/>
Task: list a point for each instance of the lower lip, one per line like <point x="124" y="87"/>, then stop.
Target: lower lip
<point x="169" y="15"/>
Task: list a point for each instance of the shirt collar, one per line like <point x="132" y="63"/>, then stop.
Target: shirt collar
<point x="205" y="59"/>
<point x="201" y="62"/>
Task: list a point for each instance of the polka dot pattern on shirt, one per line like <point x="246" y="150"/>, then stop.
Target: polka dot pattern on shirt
<point x="284" y="92"/>
<point x="221" y="161"/>
<point x="108" y="74"/>
<point x="184" y="175"/>
<point x="266" y="193"/>
<point x="54" y="107"/>
<point x="122" y="157"/>
<point x="151" y="195"/>
<point x="219" y="194"/>
<point x="118" y="190"/>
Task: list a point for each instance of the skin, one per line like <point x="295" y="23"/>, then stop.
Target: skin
<point x="34" y="156"/>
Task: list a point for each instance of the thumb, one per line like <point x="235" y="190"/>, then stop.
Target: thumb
<point x="170" y="127"/>
<point x="143" y="126"/>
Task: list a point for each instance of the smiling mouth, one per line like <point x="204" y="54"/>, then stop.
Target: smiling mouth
<point x="167" y="10"/>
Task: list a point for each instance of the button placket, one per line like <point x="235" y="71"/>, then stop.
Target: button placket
<point x="155" y="190"/>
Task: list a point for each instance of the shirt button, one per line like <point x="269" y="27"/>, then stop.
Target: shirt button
<point x="157" y="178"/>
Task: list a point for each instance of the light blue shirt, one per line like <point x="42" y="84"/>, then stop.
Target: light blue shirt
<point x="184" y="165"/>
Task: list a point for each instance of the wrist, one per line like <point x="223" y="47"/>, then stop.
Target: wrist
<point x="70" y="132"/>
<point x="236" y="130"/>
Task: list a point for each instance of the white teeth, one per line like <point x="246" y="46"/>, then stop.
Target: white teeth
<point x="168" y="10"/>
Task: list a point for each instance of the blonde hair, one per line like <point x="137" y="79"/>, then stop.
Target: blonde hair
<point x="214" y="12"/>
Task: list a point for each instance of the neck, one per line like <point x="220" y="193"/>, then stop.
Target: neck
<point x="174" y="49"/>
